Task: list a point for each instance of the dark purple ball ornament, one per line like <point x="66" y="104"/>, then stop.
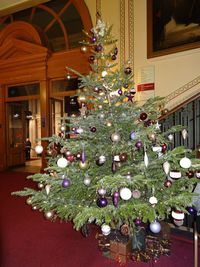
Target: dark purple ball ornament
<point x="191" y="210"/>
<point x="98" y="48"/>
<point x="66" y="183"/>
<point x="102" y="202"/>
<point x="143" y="116"/>
<point x="93" y="129"/>
<point x="137" y="221"/>
<point x="113" y="57"/>
<point x="83" y="157"/>
<point x="139" y="144"/>
<point x="93" y="39"/>
<point x="190" y="174"/>
<point x="167" y="183"/>
<point x="164" y="147"/>
<point x="148" y="123"/>
<point x="120" y="92"/>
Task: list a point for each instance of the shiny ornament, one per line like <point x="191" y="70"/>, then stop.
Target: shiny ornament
<point x="146" y="159"/>
<point x="102" y="159"/>
<point x="113" y="57"/>
<point x="48" y="215"/>
<point x="104" y="74"/>
<point x="93" y="129"/>
<point x="116" y="199"/>
<point x="178" y="215"/>
<point x="38" y="149"/>
<point x="84" y="49"/>
<point x="166" y="167"/>
<point x="170" y="137"/>
<point x="197" y="174"/>
<point x="164" y="147"/>
<point x="185" y="163"/>
<point x="62" y="128"/>
<point x="68" y="76"/>
<point x="138" y="144"/>
<point x="157" y="149"/>
<point x="148" y="123"/>
<point x="34" y="208"/>
<point x="132" y="135"/>
<point x="137" y="221"/>
<point x="136" y="194"/>
<point x="153" y="200"/>
<point x="47" y="189"/>
<point x="167" y="183"/>
<point x="66" y="183"/>
<point x="184" y="134"/>
<point x="102" y="191"/>
<point x="116" y="158"/>
<point x="191" y="210"/>
<point x="155" y="227"/>
<point x="29" y="201"/>
<point x="125" y="193"/>
<point x="83" y="156"/>
<point x="143" y="116"/>
<point x="106" y="229"/>
<point x="62" y="162"/>
<point x="127" y="70"/>
<point x="109" y="123"/>
<point x="93" y="39"/>
<point x="87" y="181"/>
<point x="123" y="157"/>
<point x="190" y="174"/>
<point x="84" y="165"/>
<point x="40" y="185"/>
<point x="152" y="137"/>
<point x="98" y="48"/>
<point x="78" y="155"/>
<point x="115" y="137"/>
<point x="102" y="202"/>
<point x="79" y="130"/>
<point x="120" y="92"/>
<point x="91" y="59"/>
<point x="99" y="163"/>
<point x="70" y="157"/>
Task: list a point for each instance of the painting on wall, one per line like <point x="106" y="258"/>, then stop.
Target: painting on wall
<point x="172" y="26"/>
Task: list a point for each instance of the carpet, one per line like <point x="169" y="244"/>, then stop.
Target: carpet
<point x="27" y="239"/>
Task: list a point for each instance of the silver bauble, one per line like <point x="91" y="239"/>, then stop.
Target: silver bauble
<point x="115" y="137"/>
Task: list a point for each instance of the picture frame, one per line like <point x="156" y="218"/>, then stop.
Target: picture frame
<point x="172" y="26"/>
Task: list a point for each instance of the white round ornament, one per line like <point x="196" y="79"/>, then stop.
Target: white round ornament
<point x="102" y="191"/>
<point x="102" y="159"/>
<point x="105" y="229"/>
<point x="155" y="227"/>
<point x="79" y="130"/>
<point x="125" y="193"/>
<point x="38" y="149"/>
<point x="87" y="181"/>
<point x="48" y="215"/>
<point x="116" y="158"/>
<point x="153" y="200"/>
<point x="115" y="137"/>
<point x="185" y="163"/>
<point x="157" y="149"/>
<point x="104" y="73"/>
<point x="62" y="162"/>
<point x="198" y="174"/>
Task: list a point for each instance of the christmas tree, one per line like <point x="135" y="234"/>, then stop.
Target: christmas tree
<point x="113" y="165"/>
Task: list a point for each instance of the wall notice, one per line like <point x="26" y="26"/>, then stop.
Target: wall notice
<point x="145" y="79"/>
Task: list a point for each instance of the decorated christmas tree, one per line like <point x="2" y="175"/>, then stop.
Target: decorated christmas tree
<point x="112" y="165"/>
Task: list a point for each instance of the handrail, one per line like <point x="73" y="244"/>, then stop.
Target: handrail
<point x="183" y="89"/>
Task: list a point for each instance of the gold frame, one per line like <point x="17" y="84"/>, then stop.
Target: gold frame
<point x="151" y="52"/>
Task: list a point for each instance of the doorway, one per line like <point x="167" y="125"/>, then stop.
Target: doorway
<point x="23" y="121"/>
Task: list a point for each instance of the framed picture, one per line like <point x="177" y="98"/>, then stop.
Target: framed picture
<point x="172" y="26"/>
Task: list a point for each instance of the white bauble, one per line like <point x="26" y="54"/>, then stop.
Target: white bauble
<point x="178" y="222"/>
<point x="153" y="200"/>
<point x="38" y="149"/>
<point x="102" y="159"/>
<point x="47" y="188"/>
<point x="62" y="162"/>
<point x="185" y="163"/>
<point x="175" y="174"/>
<point x="105" y="229"/>
<point x="48" y="215"/>
<point x="125" y="193"/>
<point x="87" y="181"/>
<point x="116" y="158"/>
<point x="170" y="137"/>
<point x="102" y="191"/>
<point x="178" y="215"/>
<point x="166" y="167"/>
<point x="155" y="227"/>
<point x="104" y="73"/>
<point x="79" y="130"/>
<point x="157" y="149"/>
<point x="115" y="137"/>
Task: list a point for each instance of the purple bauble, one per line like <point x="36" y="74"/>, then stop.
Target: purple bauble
<point x="120" y="92"/>
<point x="191" y="210"/>
<point x="102" y="202"/>
<point x="113" y="57"/>
<point x="128" y="70"/>
<point x="138" y="144"/>
<point x="98" y="48"/>
<point x="93" y="129"/>
<point x="83" y="157"/>
<point x="138" y="221"/>
<point x="93" y="39"/>
<point x="66" y="183"/>
<point x="143" y="116"/>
